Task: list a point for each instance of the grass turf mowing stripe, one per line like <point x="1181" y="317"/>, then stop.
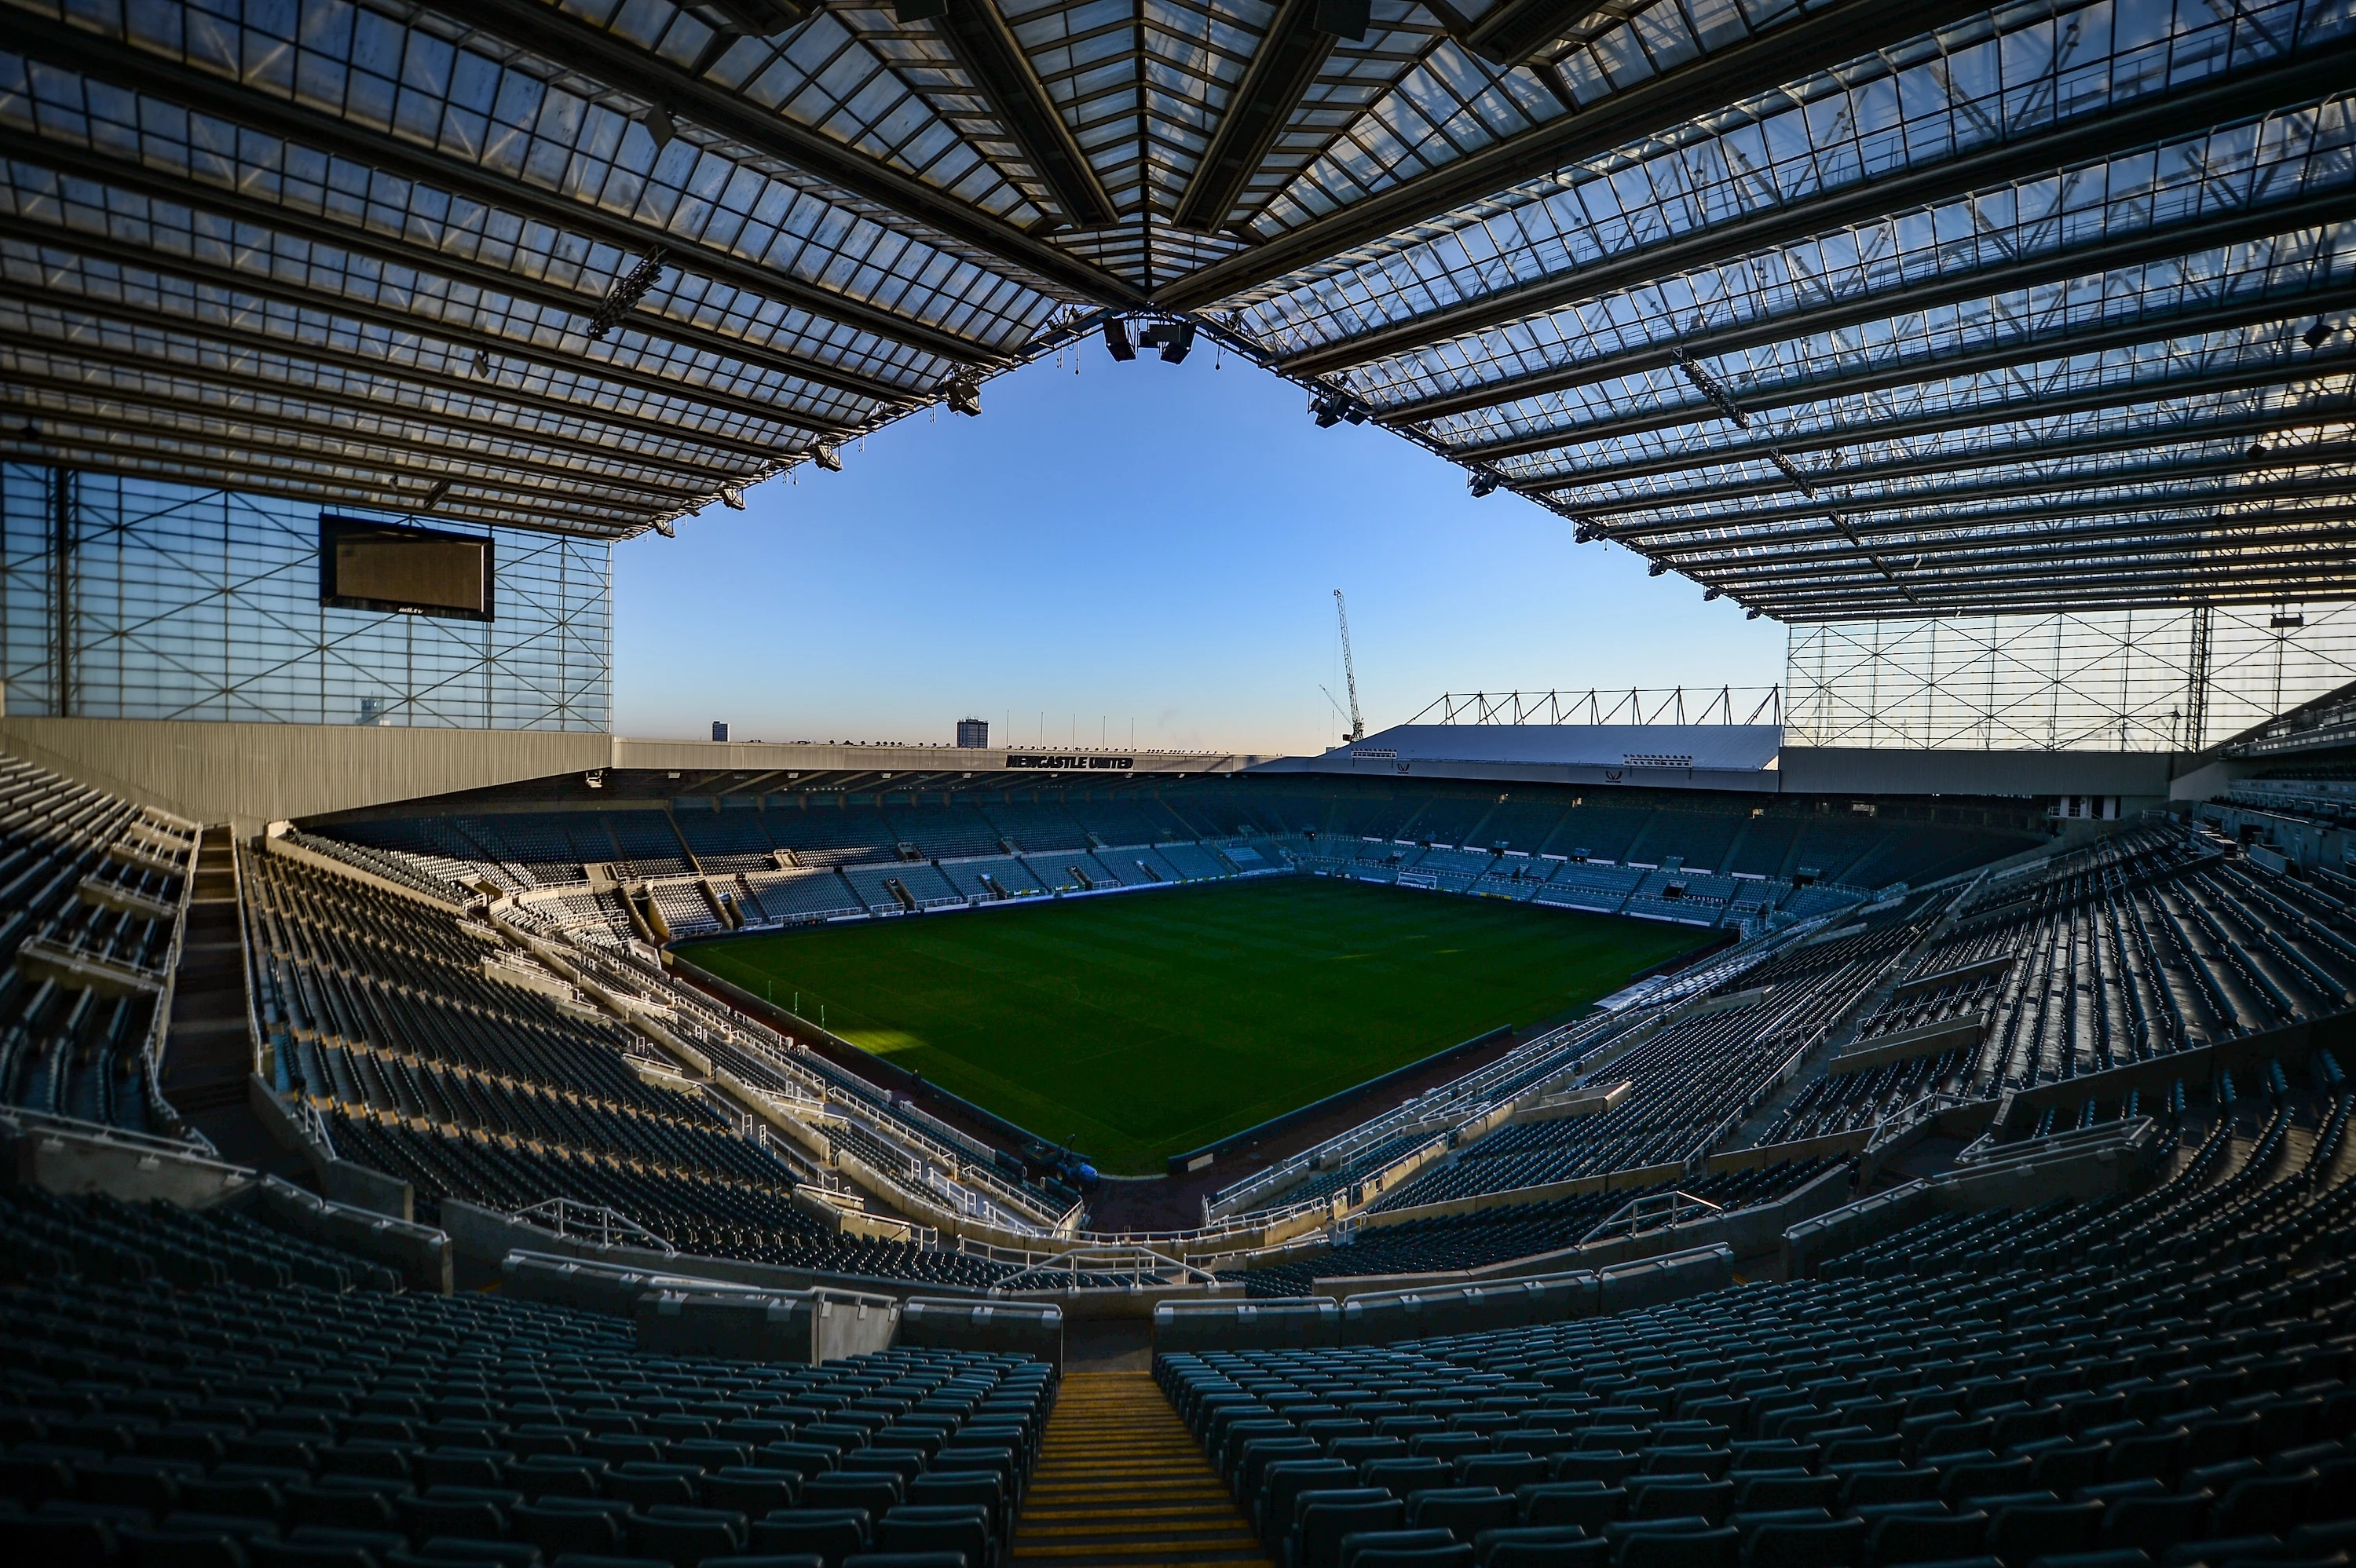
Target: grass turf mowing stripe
<point x="1149" y="1023"/>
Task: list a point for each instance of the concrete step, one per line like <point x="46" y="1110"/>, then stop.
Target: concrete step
<point x="1122" y="1481"/>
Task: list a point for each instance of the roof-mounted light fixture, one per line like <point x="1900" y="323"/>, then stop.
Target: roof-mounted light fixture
<point x="434" y="494"/>
<point x="963" y="394"/>
<point x="1481" y="481"/>
<point x="1116" y="342"/>
<point x="1171" y="338"/>
<point x="626" y="293"/>
<point x="1708" y="386"/>
<point x="826" y="457"/>
<point x="1332" y="407"/>
<point x="2319" y="334"/>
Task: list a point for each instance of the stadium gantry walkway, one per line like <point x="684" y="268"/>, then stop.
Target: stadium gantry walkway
<point x="1122" y="1481"/>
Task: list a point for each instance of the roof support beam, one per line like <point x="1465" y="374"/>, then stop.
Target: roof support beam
<point x="2065" y="600"/>
<point x="564" y="40"/>
<point x="2251" y="427"/>
<point x="126" y="453"/>
<point x="2329" y="536"/>
<point x="2324" y="565"/>
<point x="1795" y="523"/>
<point x="2229" y="315"/>
<point x="2143" y="122"/>
<point x="1826" y="37"/>
<point x="239" y="340"/>
<point x="2176" y="588"/>
<point x="1935" y="293"/>
<point x="986" y="46"/>
<point x="585" y="366"/>
<point x="1512" y="31"/>
<point x="150" y="438"/>
<point x="2073" y="548"/>
<point x="1282" y="69"/>
<point x="414" y="456"/>
<point x="86" y="54"/>
<point x="2333" y="360"/>
<point x="549" y="448"/>
<point x="75" y="163"/>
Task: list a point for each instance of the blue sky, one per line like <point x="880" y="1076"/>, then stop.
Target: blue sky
<point x="1141" y="544"/>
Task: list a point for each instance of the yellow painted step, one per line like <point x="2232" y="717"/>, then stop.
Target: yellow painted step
<point x="1121" y="1484"/>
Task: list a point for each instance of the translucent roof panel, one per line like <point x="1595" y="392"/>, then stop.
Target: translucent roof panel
<point x="1841" y="308"/>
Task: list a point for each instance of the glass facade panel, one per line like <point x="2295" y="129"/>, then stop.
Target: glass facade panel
<point x="126" y="598"/>
<point x="2107" y="681"/>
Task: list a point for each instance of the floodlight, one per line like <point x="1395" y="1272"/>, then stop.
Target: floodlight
<point x="2320" y="334"/>
<point x="434" y="494"/>
<point x="964" y="393"/>
<point x="626" y="293"/>
<point x="1329" y="407"/>
<point x="1176" y="338"/>
<point x="1116" y="337"/>
<point x="732" y="497"/>
<point x="657" y="121"/>
<point x="1752" y="614"/>
<point x="1656" y="569"/>
<point x="826" y="457"/>
<point x="1343" y="18"/>
<point x="1481" y="481"/>
<point x="1711" y="592"/>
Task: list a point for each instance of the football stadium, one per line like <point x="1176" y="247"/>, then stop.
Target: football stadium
<point x="1888" y="1108"/>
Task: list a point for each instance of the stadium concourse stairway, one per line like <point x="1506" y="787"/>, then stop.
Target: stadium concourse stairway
<point x="1120" y="1482"/>
<point x="178" y="1391"/>
<point x="93" y="893"/>
<point x="2160" y="1376"/>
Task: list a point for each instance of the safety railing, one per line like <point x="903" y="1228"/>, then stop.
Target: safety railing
<point x="606" y="1227"/>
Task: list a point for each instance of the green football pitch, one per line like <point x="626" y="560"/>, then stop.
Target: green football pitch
<point x="1143" y="1025"/>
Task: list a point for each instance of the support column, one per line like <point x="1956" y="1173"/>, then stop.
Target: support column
<point x="2196" y="691"/>
<point x="65" y="597"/>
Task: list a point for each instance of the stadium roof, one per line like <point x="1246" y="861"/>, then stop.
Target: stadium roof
<point x="1844" y="308"/>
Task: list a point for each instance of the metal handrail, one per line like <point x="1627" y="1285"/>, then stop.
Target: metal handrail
<point x="1654" y="1211"/>
<point x="590" y="1221"/>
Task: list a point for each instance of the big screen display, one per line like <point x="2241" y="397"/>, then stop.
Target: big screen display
<point x="369" y="565"/>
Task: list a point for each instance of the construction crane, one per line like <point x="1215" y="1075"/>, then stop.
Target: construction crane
<point x="1349" y="669"/>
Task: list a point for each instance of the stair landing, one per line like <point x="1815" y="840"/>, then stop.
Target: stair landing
<point x="1122" y="1481"/>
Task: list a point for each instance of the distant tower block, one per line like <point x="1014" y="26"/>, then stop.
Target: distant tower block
<point x="720" y="728"/>
<point x="973" y="733"/>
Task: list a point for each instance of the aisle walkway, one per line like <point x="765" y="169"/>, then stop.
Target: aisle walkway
<point x="1121" y="1482"/>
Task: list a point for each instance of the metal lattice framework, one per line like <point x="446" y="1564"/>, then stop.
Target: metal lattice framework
<point x="122" y="598"/>
<point x="1846" y="309"/>
<point x="1600" y="705"/>
<point x="2122" y="680"/>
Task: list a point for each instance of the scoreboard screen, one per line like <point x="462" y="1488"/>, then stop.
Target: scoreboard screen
<point x="403" y="570"/>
